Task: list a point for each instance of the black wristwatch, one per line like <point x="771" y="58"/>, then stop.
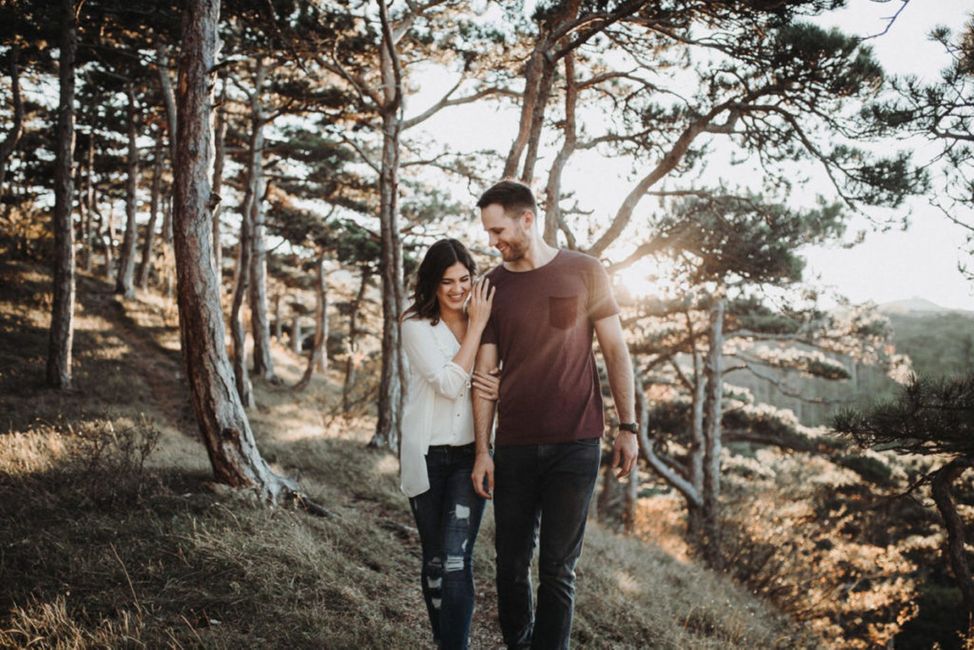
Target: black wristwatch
<point x="628" y="426"/>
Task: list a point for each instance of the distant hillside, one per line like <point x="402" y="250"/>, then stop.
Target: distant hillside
<point x="939" y="343"/>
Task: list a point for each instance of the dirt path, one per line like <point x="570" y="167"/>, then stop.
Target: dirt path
<point x="142" y="328"/>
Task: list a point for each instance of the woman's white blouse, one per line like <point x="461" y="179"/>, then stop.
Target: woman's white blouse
<point x="437" y="409"/>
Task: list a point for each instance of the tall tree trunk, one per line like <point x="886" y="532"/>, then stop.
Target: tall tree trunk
<point x="88" y="198"/>
<point x="352" y="361"/>
<point x="237" y="329"/>
<point x="632" y="500"/>
<point x="532" y="73"/>
<point x="553" y="188"/>
<point x="537" y="120"/>
<point x="125" y="283"/>
<point x="17" y="130"/>
<point x="713" y="413"/>
<point x="145" y="267"/>
<point x="223" y="423"/>
<point x="110" y="241"/>
<point x="318" y="357"/>
<point x="220" y="135"/>
<point x="259" y="322"/>
<point x="955" y="547"/>
<point x="695" y="460"/>
<point x="278" y="323"/>
<point x="62" y="309"/>
<point x="84" y="217"/>
<point x="296" y="334"/>
<point x="390" y="386"/>
<point x="169" y="102"/>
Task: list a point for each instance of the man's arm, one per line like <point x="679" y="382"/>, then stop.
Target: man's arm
<point x="625" y="450"/>
<point x="483" y="419"/>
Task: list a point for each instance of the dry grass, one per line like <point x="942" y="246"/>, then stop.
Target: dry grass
<point x="113" y="536"/>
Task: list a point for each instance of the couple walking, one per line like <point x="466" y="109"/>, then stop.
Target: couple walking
<point x="533" y="317"/>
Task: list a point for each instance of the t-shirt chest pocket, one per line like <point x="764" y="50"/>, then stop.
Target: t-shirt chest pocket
<point x="562" y="311"/>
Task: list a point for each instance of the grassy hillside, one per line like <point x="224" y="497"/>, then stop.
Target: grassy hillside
<point x="114" y="536"/>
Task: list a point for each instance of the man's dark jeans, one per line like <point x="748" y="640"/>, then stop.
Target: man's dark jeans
<point x="448" y="518"/>
<point x="542" y="489"/>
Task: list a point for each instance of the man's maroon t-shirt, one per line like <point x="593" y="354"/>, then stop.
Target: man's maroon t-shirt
<point x="542" y="323"/>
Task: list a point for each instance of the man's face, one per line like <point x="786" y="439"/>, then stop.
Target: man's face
<point x="507" y="234"/>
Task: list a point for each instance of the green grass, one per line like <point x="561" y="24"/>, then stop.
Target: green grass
<point x="113" y="535"/>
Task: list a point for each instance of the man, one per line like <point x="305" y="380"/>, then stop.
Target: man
<point x="547" y="448"/>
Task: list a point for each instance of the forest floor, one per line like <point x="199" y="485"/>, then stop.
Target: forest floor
<point x="112" y="533"/>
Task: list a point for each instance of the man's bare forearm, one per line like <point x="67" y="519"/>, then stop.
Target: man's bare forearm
<point x="483" y="409"/>
<point x="483" y="420"/>
<point x="618" y="366"/>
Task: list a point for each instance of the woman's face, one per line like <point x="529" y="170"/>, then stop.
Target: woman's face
<point x="454" y="288"/>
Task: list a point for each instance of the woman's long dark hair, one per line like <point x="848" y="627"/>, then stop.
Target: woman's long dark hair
<point x="440" y="256"/>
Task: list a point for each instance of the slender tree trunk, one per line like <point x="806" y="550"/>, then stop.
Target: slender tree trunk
<point x="259" y="322"/>
<point x="62" y="310"/>
<point x="955" y="547"/>
<point x="220" y="135"/>
<point x="125" y="283"/>
<point x="537" y="120"/>
<point x="88" y="198"/>
<point x="237" y="329"/>
<point x="351" y="363"/>
<point x="553" y="188"/>
<point x="695" y="460"/>
<point x="223" y="423"/>
<point x="84" y="217"/>
<point x="632" y="500"/>
<point x="296" y="334"/>
<point x="145" y="267"/>
<point x="169" y="102"/>
<point x="278" y="324"/>
<point x="713" y="413"/>
<point x="10" y="142"/>
<point x="318" y="357"/>
<point x="110" y="241"/>
<point x="390" y="385"/>
<point x="532" y="73"/>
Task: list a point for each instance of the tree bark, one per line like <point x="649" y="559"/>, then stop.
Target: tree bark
<point x="532" y="72"/>
<point x="223" y="423"/>
<point x="318" y="357"/>
<point x="219" y="135"/>
<point x="237" y="329"/>
<point x="713" y="412"/>
<point x="259" y="322"/>
<point x="537" y="120"/>
<point x="110" y="241"/>
<point x="62" y="309"/>
<point x="88" y="198"/>
<point x="390" y="385"/>
<point x="145" y="267"/>
<point x="10" y="142"/>
<point x="954" y="549"/>
<point x="125" y="282"/>
<point x="278" y="324"/>
<point x="553" y="187"/>
<point x="351" y="362"/>
<point x="169" y="102"/>
<point x="296" y="334"/>
<point x="632" y="500"/>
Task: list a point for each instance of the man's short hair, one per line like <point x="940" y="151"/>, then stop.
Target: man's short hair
<point x="513" y="196"/>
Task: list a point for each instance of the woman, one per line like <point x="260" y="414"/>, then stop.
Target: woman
<point x="441" y="339"/>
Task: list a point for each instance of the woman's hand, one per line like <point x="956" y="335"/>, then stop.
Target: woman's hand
<point x="481" y="300"/>
<point x="488" y="386"/>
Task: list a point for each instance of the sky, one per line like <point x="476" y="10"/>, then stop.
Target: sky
<point x="921" y="261"/>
